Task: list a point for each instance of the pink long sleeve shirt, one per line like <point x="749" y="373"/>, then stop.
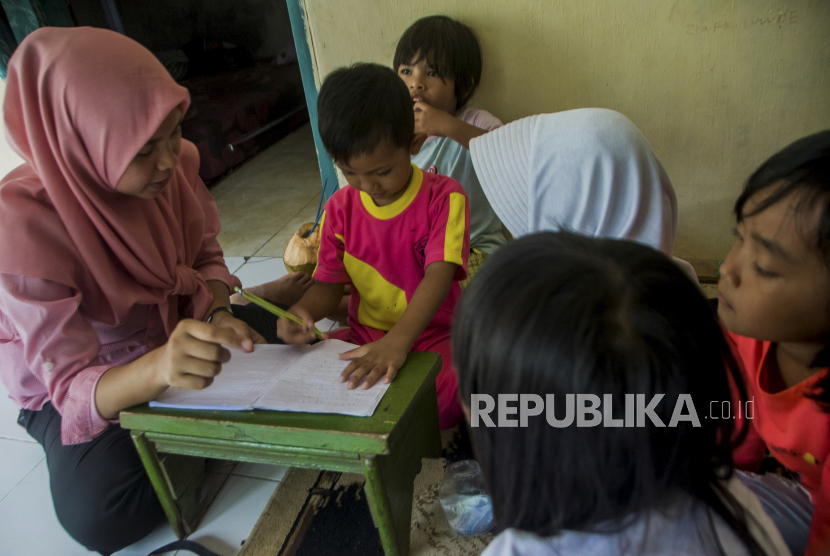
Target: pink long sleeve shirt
<point x="51" y="350"/>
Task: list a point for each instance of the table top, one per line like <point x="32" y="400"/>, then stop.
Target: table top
<point x="326" y="431"/>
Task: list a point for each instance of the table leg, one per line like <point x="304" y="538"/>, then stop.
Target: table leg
<point x="390" y="500"/>
<point x="155" y="471"/>
<point x="390" y="479"/>
<point x="178" y="482"/>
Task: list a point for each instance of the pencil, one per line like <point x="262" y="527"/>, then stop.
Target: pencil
<point x="271" y="308"/>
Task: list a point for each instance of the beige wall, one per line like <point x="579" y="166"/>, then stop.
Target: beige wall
<point x="715" y="85"/>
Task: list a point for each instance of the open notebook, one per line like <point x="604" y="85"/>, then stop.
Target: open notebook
<point x="281" y="378"/>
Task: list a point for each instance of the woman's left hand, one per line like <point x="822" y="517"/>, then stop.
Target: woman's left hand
<point x="226" y="320"/>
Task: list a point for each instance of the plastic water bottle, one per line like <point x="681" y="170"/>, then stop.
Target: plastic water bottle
<point x="464" y="499"/>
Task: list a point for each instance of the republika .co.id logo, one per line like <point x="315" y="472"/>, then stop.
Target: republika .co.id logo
<point x="589" y="410"/>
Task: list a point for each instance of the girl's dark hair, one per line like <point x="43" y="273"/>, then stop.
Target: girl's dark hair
<point x="360" y="106"/>
<point x="801" y="168"/>
<point x="558" y="313"/>
<point x="449" y="47"/>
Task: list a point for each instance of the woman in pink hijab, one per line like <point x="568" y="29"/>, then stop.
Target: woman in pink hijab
<point x="112" y="284"/>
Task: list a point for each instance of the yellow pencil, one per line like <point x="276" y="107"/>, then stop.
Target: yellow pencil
<point x="274" y="309"/>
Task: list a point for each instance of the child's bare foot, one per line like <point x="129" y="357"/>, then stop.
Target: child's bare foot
<point x="288" y="290"/>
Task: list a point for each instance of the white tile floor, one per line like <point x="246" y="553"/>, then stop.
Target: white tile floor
<point x="28" y="524"/>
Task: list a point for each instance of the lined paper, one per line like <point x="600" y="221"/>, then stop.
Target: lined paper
<point x="240" y="384"/>
<point x="312" y="385"/>
<point x="282" y="378"/>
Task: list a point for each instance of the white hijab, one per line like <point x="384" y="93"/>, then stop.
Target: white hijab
<point x="589" y="171"/>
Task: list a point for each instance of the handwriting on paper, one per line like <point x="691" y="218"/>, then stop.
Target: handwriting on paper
<point x="281" y="378"/>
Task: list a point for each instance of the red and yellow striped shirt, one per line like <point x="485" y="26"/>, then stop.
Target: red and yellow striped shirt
<point x="384" y="251"/>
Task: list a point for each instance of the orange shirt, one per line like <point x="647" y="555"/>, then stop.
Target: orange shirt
<point x="794" y="429"/>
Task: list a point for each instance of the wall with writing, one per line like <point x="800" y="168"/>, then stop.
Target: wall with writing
<point x="716" y="85"/>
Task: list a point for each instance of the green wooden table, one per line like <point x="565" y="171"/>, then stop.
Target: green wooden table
<point x="386" y="448"/>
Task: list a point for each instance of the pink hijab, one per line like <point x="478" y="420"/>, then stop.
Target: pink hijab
<point x="80" y="103"/>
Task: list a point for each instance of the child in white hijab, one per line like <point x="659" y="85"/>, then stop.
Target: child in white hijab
<point x="588" y="171"/>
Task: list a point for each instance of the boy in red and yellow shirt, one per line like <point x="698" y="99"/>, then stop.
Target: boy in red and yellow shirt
<point x="398" y="235"/>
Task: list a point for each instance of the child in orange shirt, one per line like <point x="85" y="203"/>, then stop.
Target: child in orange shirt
<point x="774" y="300"/>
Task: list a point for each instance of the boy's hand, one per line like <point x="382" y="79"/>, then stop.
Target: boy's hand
<point x="293" y="333"/>
<point x="372" y="361"/>
<point x="432" y="121"/>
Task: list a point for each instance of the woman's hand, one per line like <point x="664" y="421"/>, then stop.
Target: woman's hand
<point x="381" y="358"/>
<point x="226" y="320"/>
<point x="194" y="353"/>
<point x="191" y="358"/>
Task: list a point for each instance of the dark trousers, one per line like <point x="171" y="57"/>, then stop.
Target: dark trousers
<point x="260" y="320"/>
<point x="102" y="495"/>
